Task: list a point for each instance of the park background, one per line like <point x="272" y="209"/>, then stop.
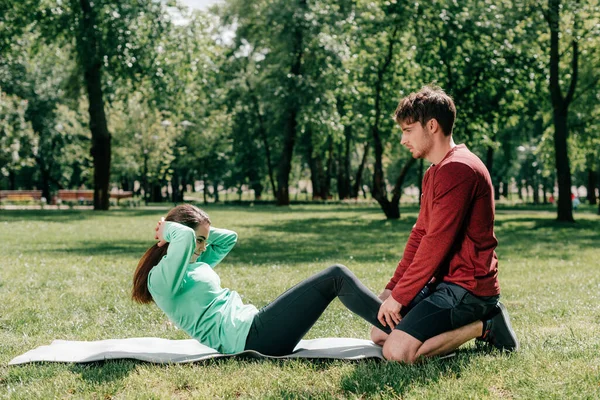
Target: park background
<point x="272" y="100"/>
<point x="275" y="116"/>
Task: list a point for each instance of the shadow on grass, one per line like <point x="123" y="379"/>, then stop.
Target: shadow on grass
<point x="546" y="238"/>
<point x="88" y="248"/>
<point x="334" y="239"/>
<point x="103" y="371"/>
<point x="394" y="379"/>
<point x="354" y="227"/>
<point x="341" y="235"/>
<point x="94" y="373"/>
<point x="370" y="378"/>
<point x="44" y="215"/>
<point x="71" y="215"/>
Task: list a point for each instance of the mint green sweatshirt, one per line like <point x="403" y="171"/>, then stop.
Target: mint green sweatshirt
<point x="191" y="294"/>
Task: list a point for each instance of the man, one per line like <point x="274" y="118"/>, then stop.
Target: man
<point x="450" y="251"/>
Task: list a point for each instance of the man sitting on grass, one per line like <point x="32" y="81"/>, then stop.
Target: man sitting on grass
<point x="449" y="259"/>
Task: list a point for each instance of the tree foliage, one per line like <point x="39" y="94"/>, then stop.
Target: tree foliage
<point x="262" y="94"/>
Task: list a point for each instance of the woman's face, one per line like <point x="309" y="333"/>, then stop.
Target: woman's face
<point x="202" y="232"/>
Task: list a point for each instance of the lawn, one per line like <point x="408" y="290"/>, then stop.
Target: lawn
<point x="67" y="275"/>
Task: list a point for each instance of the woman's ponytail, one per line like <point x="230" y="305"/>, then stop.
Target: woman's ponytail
<point x="151" y="257"/>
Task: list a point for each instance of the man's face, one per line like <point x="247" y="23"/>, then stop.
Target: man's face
<point x="417" y="139"/>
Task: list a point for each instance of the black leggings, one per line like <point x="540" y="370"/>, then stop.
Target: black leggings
<point x="279" y="326"/>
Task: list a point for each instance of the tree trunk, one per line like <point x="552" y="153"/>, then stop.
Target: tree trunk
<point x="364" y="192"/>
<point x="125" y="184"/>
<point x="183" y="186"/>
<point x="544" y="189"/>
<point x="216" y="191"/>
<point x="359" y="173"/>
<point x="563" y="170"/>
<point x="343" y="181"/>
<point x="326" y="183"/>
<point x="175" y="187"/>
<point x="11" y="180"/>
<point x="489" y="159"/>
<point x="343" y="165"/>
<point x="497" y="190"/>
<point x="314" y="165"/>
<point x="45" y="175"/>
<point x="145" y="181"/>
<point x="285" y="162"/>
<point x="262" y="130"/>
<point x="257" y="188"/>
<point x="317" y="176"/>
<point x="320" y="173"/>
<point x="255" y="183"/>
<point x="560" y="108"/>
<point x="536" y="192"/>
<point x="90" y="56"/>
<point x="379" y="191"/>
<point x="156" y="193"/>
<point x="397" y="192"/>
<point x="591" y="186"/>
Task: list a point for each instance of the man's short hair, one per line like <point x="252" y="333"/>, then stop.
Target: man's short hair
<point x="429" y="102"/>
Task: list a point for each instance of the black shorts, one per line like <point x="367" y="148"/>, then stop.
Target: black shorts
<point x="449" y="307"/>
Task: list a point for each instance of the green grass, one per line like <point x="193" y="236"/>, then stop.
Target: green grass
<point x="66" y="275"/>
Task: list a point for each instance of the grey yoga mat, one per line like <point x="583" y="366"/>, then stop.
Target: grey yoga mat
<point x="158" y="350"/>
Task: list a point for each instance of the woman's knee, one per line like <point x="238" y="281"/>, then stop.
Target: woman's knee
<point x="338" y="270"/>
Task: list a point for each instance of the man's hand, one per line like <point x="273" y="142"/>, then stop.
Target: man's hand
<point x="389" y="312"/>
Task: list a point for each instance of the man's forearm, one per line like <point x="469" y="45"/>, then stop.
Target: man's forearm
<point x="385" y="294"/>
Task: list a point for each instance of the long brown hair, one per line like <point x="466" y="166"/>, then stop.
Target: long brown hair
<point x="185" y="214"/>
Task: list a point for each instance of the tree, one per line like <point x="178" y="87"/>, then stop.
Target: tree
<point x="18" y="144"/>
<point x="381" y="70"/>
<point x="42" y="75"/>
<point x="281" y="31"/>
<point x="560" y="108"/>
<point x="112" y="41"/>
<point x="146" y="143"/>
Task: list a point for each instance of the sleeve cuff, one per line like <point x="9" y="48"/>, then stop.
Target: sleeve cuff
<point x="171" y="228"/>
<point x="400" y="299"/>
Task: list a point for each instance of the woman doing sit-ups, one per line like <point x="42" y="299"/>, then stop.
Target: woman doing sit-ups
<point x="177" y="274"/>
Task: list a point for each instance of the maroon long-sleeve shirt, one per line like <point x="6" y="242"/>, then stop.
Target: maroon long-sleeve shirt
<point x="454" y="233"/>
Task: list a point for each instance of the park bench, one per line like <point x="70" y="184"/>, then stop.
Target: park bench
<point x="75" y="196"/>
<point x="87" y="196"/>
<point x="21" y="195"/>
<point x="121" y="195"/>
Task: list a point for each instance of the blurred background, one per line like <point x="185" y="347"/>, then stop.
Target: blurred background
<point x="141" y="101"/>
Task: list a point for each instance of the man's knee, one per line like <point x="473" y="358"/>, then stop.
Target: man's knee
<point x="399" y="354"/>
<point x="401" y="347"/>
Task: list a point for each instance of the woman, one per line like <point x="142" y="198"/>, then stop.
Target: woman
<point x="177" y="274"/>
